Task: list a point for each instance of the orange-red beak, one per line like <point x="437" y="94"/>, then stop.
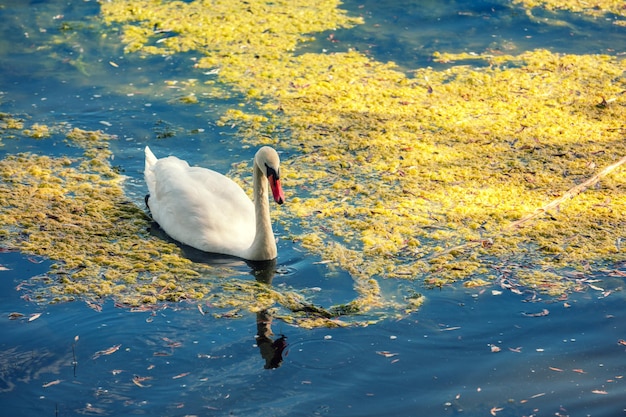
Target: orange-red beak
<point x="277" y="190"/>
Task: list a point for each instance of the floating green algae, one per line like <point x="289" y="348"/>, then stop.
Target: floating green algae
<point x="421" y="176"/>
<point x="597" y="8"/>
<point x="73" y="211"/>
<point x="388" y="175"/>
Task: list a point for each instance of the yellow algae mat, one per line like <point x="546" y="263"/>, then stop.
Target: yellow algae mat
<point x="509" y="172"/>
<point x="73" y="210"/>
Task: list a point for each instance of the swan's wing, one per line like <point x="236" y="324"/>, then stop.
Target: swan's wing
<point x="200" y="207"/>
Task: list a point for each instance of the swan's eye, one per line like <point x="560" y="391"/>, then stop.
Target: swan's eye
<point x="271" y="172"/>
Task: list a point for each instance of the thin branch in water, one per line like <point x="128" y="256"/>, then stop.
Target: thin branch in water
<point x="571" y="193"/>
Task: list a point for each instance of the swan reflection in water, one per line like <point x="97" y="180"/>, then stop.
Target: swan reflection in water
<point x="271" y="347"/>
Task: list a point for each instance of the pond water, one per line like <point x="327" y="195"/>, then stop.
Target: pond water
<point x="466" y="351"/>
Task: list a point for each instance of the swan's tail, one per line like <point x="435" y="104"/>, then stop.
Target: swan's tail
<point x="150" y="158"/>
<point x="148" y="173"/>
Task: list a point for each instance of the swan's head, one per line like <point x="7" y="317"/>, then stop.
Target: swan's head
<point x="268" y="162"/>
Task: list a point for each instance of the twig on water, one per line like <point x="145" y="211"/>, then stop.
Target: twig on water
<point x="571" y="193"/>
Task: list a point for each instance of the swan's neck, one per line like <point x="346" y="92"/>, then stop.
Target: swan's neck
<point x="264" y="245"/>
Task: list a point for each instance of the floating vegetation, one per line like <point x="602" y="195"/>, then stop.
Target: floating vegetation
<point x="38" y="131"/>
<point x="73" y="211"/>
<point x="8" y="122"/>
<point x="422" y="176"/>
<point x="438" y="176"/>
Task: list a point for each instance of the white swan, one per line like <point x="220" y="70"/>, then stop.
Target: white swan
<point x="208" y="211"/>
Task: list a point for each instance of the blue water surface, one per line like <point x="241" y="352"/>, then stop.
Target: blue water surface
<point x="465" y="352"/>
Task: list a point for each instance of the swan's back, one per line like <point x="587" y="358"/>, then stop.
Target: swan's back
<point x="199" y="207"/>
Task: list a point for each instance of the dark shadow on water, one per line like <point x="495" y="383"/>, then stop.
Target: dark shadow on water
<point x="198" y="256"/>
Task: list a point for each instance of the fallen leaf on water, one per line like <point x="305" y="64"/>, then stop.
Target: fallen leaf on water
<point x="108" y="351"/>
<point x="181" y="375"/>
<point x="516" y="350"/>
<point x="51" y="383"/>
<point x="90" y="410"/>
<point x="595" y="288"/>
<point x="137" y="380"/>
<point x="141" y="309"/>
<point x="447" y="329"/>
<point x="94" y="306"/>
<point x="580" y="371"/>
<point x="538" y="395"/>
<point x="200" y="309"/>
<point x="171" y="343"/>
<point x="34" y="260"/>
<point x="597" y="391"/>
<point x="555" y="369"/>
<point x="34" y="316"/>
<point x="606" y="293"/>
<point x="542" y="313"/>
<point x="386" y="354"/>
<point x="494" y="410"/>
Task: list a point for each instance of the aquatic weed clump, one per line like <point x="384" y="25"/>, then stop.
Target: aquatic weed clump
<point x="74" y="212"/>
